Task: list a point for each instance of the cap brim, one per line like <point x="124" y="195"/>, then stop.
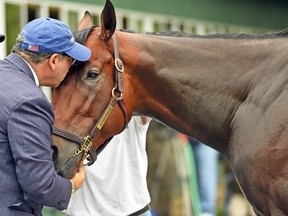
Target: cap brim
<point x="79" y="52"/>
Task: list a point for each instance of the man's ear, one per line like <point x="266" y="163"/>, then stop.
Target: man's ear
<point x="54" y="58"/>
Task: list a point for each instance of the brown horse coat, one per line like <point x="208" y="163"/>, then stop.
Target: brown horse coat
<point x="228" y="91"/>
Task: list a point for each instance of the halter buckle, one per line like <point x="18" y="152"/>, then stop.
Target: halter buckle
<point x="119" y="65"/>
<point x="84" y="147"/>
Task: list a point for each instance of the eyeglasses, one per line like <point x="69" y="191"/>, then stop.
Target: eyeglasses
<point x="72" y="59"/>
<point x="64" y="54"/>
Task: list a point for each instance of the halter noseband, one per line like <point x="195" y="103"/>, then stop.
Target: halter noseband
<point x="85" y="143"/>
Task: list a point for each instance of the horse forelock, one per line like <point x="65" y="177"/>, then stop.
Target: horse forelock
<point x="81" y="36"/>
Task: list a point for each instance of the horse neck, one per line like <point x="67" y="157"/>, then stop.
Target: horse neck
<point x="195" y="85"/>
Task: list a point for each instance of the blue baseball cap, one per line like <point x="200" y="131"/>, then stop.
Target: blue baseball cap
<point x="48" y="35"/>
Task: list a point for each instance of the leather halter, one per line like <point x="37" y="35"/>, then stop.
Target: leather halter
<point x="85" y="143"/>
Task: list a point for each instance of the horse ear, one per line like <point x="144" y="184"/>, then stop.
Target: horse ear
<point x="108" y="20"/>
<point x="86" y="21"/>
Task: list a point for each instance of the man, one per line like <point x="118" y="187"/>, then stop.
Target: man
<point x="116" y="183"/>
<point x="2" y="38"/>
<point x="206" y="161"/>
<point x="44" y="51"/>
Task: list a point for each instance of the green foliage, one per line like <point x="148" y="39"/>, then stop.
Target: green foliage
<point x="52" y="212"/>
<point x="13" y="26"/>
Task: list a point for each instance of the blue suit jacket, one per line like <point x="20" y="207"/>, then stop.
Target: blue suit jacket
<point x="27" y="176"/>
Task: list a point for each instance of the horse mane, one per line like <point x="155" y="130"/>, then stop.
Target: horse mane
<point x="81" y="36"/>
<point x="280" y="34"/>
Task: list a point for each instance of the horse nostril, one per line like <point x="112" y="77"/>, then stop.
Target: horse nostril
<point x="54" y="153"/>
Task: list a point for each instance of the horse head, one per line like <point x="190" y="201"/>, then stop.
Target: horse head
<point x="89" y="104"/>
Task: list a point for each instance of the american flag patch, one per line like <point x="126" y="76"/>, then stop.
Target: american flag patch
<point x="33" y="48"/>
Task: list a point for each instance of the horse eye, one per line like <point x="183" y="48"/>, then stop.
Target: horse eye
<point x="92" y="74"/>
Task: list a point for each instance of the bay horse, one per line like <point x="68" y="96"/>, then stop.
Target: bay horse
<point x="228" y="91"/>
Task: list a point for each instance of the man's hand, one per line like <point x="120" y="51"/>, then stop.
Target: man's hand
<point x="79" y="178"/>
